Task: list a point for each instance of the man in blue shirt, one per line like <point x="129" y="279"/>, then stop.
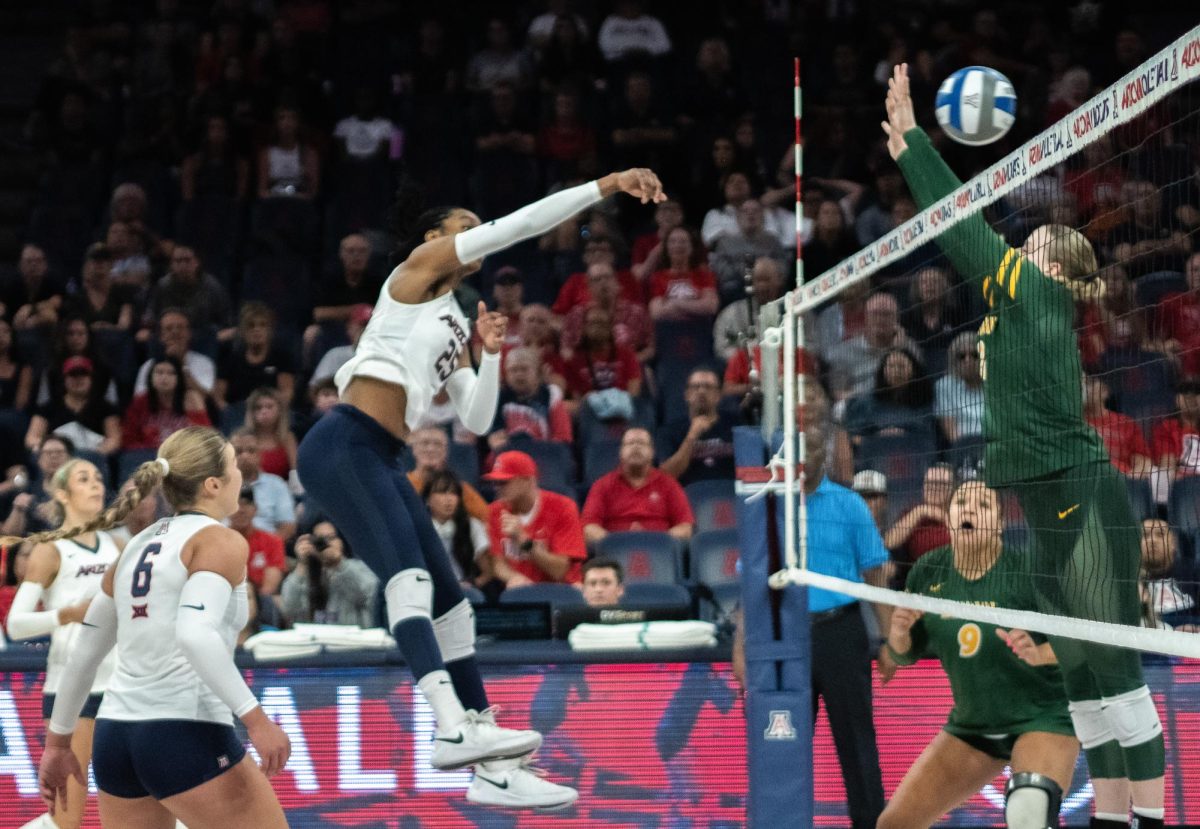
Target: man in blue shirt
<point x="844" y="542"/>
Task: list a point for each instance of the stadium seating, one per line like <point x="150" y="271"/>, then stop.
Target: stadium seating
<point x="645" y="556"/>
<point x="464" y="462"/>
<point x="1140" y="497"/>
<point x="551" y="592"/>
<point x="644" y="594"/>
<point x="1149" y="290"/>
<point x="1183" y="509"/>
<point x="713" y="557"/>
<point x="599" y="458"/>
<point x="713" y="504"/>
<point x="129" y="460"/>
<point x="556" y="466"/>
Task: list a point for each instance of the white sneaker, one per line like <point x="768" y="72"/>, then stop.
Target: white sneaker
<point x="478" y="738"/>
<point x="515" y="784"/>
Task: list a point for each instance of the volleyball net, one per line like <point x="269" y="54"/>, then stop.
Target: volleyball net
<point x="887" y="359"/>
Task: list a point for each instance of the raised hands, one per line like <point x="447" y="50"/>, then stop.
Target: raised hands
<point x="899" y="111"/>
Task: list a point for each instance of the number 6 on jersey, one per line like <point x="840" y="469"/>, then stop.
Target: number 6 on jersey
<point x="141" y="573"/>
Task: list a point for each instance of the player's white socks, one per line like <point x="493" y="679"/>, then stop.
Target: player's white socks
<point x="41" y="822"/>
<point x="439" y="693"/>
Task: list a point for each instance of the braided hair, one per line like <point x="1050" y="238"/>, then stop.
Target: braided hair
<point x="194" y="454"/>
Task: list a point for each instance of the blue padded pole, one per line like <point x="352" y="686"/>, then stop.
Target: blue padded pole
<point x="778" y="689"/>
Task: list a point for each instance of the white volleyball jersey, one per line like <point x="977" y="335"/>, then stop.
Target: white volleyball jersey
<point x="80" y="571"/>
<point x="414" y="346"/>
<point x="153" y="680"/>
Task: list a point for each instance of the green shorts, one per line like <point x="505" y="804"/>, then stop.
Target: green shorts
<point x="1000" y="746"/>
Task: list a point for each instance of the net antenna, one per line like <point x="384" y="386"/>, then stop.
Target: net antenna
<point x="781" y="326"/>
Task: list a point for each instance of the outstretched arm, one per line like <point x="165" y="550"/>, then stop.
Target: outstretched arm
<point x="441" y="256"/>
<point x="975" y="249"/>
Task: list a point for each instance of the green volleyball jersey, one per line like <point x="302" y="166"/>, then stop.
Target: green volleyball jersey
<point x="1029" y="357"/>
<point x="994" y="691"/>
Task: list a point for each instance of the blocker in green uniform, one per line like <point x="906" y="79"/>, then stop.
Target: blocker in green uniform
<point x="1086" y="544"/>
<point x="997" y="696"/>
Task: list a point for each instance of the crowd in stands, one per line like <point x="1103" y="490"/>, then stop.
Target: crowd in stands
<point x="211" y="233"/>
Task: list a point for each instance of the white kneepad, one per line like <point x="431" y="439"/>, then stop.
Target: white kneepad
<point x="455" y="632"/>
<point x="1091" y="725"/>
<point x="1132" y="717"/>
<point x="409" y="595"/>
<point x="1031" y="801"/>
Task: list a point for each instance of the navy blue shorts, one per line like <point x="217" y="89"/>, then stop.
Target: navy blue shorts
<point x="161" y="758"/>
<point x="89" y="708"/>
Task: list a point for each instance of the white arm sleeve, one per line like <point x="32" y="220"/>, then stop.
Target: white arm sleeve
<point x="97" y="636"/>
<point x="202" y="604"/>
<point x="531" y="220"/>
<point x="25" y="621"/>
<point x="474" y="395"/>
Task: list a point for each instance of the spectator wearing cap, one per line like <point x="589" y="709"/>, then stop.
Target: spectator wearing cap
<point x="175" y="340"/>
<point x="1177" y="439"/>
<point x="255" y="359"/>
<point x="339" y="355"/>
<point x="86" y="418"/>
<point x="527" y="404"/>
<point x="872" y="486"/>
<point x="197" y="293"/>
<point x="96" y="299"/>
<point x="163" y="409"/>
<point x="430" y="447"/>
<point x="535" y="534"/>
<point x="354" y="284"/>
<point x="632" y="327"/>
<point x="266" y="563"/>
<point x="603" y="582"/>
<point x="926" y="526"/>
<point x="34" y="298"/>
<point x="636" y="496"/>
<point x="598" y="249"/>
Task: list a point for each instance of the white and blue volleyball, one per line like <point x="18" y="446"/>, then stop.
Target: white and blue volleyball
<point x="976" y="105"/>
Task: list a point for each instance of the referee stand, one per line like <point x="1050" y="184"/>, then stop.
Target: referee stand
<point x="777" y="648"/>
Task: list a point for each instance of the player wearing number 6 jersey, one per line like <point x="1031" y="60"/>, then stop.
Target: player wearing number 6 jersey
<point x="1037" y="442"/>
<point x="165" y="747"/>
<point x="64" y="575"/>
<point x="1009" y="702"/>
<point x="415" y="345"/>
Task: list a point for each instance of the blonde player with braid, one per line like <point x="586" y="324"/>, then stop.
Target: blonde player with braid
<point x="63" y="576"/>
<point x="165" y="747"/>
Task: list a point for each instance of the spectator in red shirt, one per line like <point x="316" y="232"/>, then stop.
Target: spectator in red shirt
<point x="597" y="249"/>
<point x="535" y="534"/>
<point x="527" y="405"/>
<point x="265" y="566"/>
<point x="1121" y="435"/>
<point x="685" y="288"/>
<point x="648" y="254"/>
<point x="537" y="332"/>
<point x="1177" y="440"/>
<point x="926" y="526"/>
<point x="163" y="409"/>
<point x="631" y="322"/>
<point x="599" y="363"/>
<point x="636" y="496"/>
<point x="566" y="142"/>
<point x="1179" y="317"/>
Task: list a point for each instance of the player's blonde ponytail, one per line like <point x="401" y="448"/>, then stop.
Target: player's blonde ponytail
<point x="192" y="455"/>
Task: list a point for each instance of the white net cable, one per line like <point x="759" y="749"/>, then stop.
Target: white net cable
<point x="1139" y="96"/>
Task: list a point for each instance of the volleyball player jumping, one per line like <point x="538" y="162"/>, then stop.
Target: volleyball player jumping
<point x="415" y="345"/>
<point x="1037" y="443"/>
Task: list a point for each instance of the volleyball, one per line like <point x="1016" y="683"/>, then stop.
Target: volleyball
<point x="976" y="105"/>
